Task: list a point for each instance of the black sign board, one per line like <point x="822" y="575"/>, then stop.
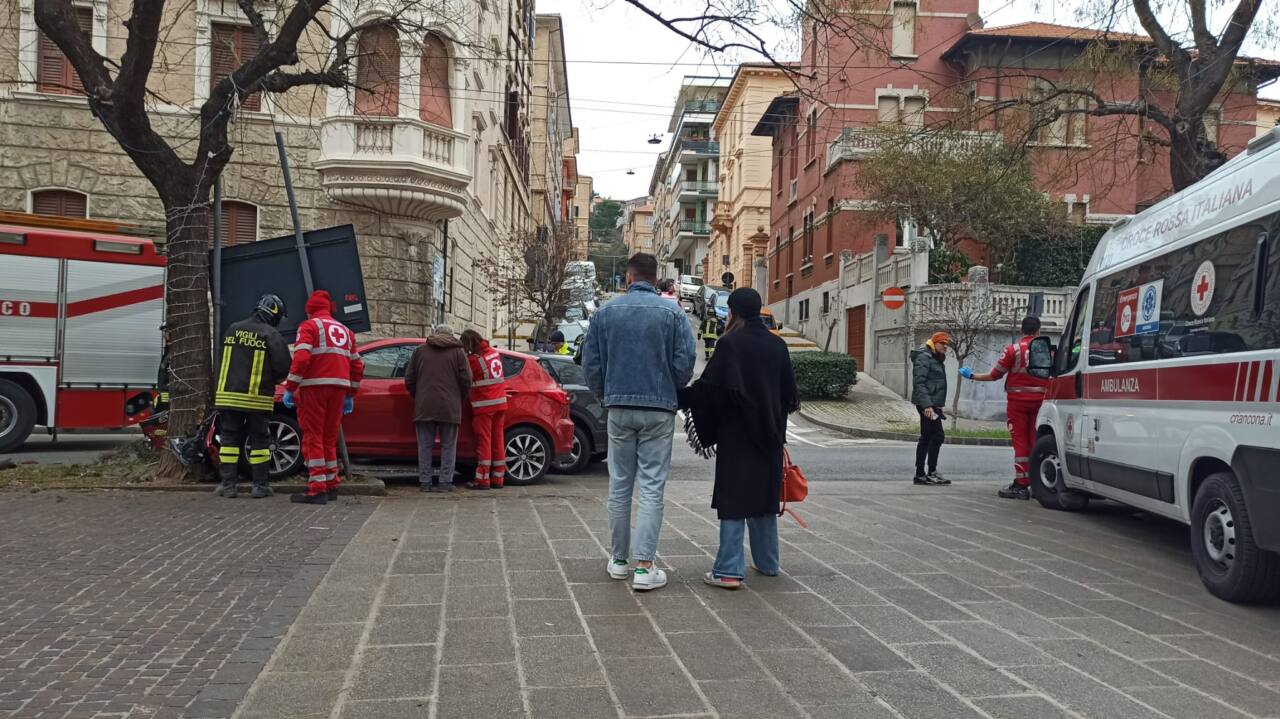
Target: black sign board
<point x="256" y="268"/>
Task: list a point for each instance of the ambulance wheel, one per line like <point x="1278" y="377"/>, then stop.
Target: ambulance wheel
<point x="1048" y="485"/>
<point x="286" y="446"/>
<point x="1230" y="564"/>
<point x="529" y="455"/>
<point x="17" y="415"/>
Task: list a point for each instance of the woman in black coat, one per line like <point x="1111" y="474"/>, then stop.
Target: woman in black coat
<point x="740" y="405"/>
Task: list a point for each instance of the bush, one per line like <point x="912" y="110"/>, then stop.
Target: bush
<point x="824" y="375"/>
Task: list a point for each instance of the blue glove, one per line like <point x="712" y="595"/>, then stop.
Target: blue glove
<point x="349" y="406"/>
<point x="966" y="372"/>
<point x="287" y="399"/>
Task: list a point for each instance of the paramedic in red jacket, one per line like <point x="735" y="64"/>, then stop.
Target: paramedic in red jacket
<point x="488" y="398"/>
<point x="1026" y="393"/>
<point x="322" y="382"/>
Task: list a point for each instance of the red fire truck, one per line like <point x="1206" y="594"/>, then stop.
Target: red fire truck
<point x="81" y="306"/>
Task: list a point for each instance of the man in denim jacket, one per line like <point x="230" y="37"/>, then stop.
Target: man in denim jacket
<point x="639" y="351"/>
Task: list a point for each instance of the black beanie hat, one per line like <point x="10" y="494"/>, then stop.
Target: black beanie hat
<point x="745" y="303"/>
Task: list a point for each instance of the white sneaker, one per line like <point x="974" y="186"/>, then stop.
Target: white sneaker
<point x="648" y="579"/>
<point x="619" y="569"/>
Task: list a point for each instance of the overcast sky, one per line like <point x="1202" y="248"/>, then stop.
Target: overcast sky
<point x="625" y="70"/>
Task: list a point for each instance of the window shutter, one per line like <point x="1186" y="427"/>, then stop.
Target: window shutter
<point x="904" y="28"/>
<point x="84" y="17"/>
<point x="913" y="112"/>
<point x="232" y="46"/>
<point x="434" y="101"/>
<point x="887" y="109"/>
<point x="49" y="67"/>
<point x="378" y="73"/>
<point x="60" y="203"/>
<point x="244" y="223"/>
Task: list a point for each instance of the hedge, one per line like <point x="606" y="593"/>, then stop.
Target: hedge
<point x="824" y="375"/>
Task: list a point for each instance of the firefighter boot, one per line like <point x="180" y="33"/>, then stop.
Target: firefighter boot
<point x="229" y="476"/>
<point x="261" y="487"/>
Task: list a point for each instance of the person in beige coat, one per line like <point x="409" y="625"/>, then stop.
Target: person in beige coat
<point x="438" y="378"/>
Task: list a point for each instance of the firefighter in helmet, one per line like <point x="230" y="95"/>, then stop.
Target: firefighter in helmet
<point x="254" y="360"/>
<point x="711" y="330"/>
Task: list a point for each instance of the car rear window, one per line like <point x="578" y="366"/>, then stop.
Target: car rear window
<point x="511" y="366"/>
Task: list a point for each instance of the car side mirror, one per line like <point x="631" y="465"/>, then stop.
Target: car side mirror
<point x="1040" y="358"/>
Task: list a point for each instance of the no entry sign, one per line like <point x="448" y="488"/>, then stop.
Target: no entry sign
<point x="894" y="298"/>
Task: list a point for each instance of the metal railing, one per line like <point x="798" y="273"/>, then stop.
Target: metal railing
<point x="697" y="187"/>
<point x="695" y="227"/>
<point x="702" y="106"/>
<point x="700" y="147"/>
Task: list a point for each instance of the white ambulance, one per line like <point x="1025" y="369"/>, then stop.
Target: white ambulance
<point x="80" y="312"/>
<point x="1164" y="388"/>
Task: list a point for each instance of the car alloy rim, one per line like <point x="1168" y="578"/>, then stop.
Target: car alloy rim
<point x="1050" y="470"/>
<point x="525" y="457"/>
<point x="1220" y="535"/>
<point x="8" y="416"/>
<point x="286" y="446"/>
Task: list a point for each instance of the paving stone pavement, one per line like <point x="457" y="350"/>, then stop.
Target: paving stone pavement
<point x="129" y="605"/>
<point x="895" y="602"/>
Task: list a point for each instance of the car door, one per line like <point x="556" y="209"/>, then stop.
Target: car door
<point x="382" y="423"/>
<point x="1066" y="390"/>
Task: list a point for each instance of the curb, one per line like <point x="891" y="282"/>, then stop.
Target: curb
<point x="371" y="488"/>
<point x="900" y="436"/>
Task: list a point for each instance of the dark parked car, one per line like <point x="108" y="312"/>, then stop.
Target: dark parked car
<point x="590" y="428"/>
<point x="708" y="297"/>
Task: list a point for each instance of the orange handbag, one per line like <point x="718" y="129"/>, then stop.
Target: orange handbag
<point x="794" y="486"/>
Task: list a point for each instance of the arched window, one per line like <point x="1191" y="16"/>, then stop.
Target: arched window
<point x="239" y="223"/>
<point x="433" y="100"/>
<point x="378" y="72"/>
<point x="61" y="203"/>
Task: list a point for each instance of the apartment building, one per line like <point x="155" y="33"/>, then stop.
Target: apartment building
<point x="554" y="140"/>
<point x="937" y="62"/>
<point x="583" y="193"/>
<point x="637" y="223"/>
<point x="740" y="218"/>
<point x="429" y="160"/>
<point x="685" y="180"/>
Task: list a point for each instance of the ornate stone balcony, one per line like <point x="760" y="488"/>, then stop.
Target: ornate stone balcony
<point x="394" y="165"/>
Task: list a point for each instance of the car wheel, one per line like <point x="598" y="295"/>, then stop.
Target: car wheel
<point x="17" y="415"/>
<point x="529" y="455"/>
<point x="1048" y="485"/>
<point x="286" y="446"/>
<point x="580" y="457"/>
<point x="1230" y="564"/>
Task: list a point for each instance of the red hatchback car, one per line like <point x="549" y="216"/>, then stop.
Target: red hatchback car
<point x="539" y="430"/>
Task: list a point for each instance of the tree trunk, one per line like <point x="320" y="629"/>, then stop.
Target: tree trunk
<point x="1191" y="155"/>
<point x="187" y="332"/>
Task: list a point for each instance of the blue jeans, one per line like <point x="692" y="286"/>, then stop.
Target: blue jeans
<point x="730" y="561"/>
<point x="639" y="454"/>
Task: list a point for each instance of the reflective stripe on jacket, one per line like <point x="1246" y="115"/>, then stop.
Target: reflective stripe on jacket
<point x="1012" y="365"/>
<point x="325" y="355"/>
<point x="488" y="393"/>
<point x="254" y="359"/>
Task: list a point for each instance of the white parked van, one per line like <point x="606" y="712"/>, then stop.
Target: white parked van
<point x="1164" y="388"/>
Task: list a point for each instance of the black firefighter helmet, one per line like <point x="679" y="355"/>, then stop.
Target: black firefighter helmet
<point x="270" y="309"/>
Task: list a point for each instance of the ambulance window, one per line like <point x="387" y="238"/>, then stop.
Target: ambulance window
<point x="1069" y="353"/>
<point x="1218" y="296"/>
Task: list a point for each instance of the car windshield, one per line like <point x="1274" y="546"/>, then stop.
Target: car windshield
<point x="768" y="321"/>
<point x="691" y="280"/>
<point x="722" y="298"/>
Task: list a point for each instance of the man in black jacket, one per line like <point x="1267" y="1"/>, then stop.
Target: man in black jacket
<point x="255" y="359"/>
<point x="929" y="394"/>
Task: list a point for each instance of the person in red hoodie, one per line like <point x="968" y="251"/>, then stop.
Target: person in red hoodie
<point x="1026" y="393"/>
<point x="488" y="399"/>
<point x="322" y="383"/>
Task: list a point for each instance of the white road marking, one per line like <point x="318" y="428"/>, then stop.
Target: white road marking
<point x="802" y="440"/>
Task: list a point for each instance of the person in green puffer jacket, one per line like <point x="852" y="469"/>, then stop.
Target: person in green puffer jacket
<point x="929" y="394"/>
